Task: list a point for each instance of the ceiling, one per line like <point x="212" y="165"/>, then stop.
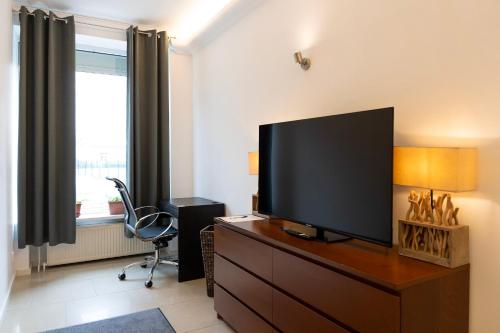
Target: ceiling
<point x="184" y="19"/>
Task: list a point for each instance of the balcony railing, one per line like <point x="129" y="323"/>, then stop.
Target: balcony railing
<point x="92" y="189"/>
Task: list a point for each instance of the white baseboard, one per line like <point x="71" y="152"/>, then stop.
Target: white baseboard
<point x="23" y="272"/>
<point x="6" y="300"/>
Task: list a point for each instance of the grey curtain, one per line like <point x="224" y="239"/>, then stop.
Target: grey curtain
<point x="148" y="116"/>
<point x="46" y="165"/>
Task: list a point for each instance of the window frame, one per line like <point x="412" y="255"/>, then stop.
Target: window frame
<point x="104" y="218"/>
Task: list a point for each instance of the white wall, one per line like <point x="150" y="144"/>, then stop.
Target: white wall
<point x="437" y="62"/>
<point x="6" y="249"/>
<point x="181" y="113"/>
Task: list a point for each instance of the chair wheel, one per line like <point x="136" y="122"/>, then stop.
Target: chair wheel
<point x="121" y="276"/>
<point x="148" y="283"/>
<point x="144" y="265"/>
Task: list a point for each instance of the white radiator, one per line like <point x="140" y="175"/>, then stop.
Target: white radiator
<point x="95" y="242"/>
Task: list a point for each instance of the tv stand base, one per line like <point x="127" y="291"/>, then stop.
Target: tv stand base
<point x="330" y="237"/>
<point x="321" y="235"/>
<point x="298" y="234"/>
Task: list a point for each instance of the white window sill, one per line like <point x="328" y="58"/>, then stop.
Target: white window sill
<point x="98" y="219"/>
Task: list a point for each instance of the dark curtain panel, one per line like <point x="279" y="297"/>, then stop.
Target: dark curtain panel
<point x="46" y="174"/>
<point x="148" y="116"/>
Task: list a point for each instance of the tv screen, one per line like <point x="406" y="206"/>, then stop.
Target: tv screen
<point x="333" y="172"/>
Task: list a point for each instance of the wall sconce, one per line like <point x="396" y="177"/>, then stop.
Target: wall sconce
<point x="305" y="63"/>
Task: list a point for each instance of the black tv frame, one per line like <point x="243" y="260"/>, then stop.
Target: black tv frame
<point x="331" y="234"/>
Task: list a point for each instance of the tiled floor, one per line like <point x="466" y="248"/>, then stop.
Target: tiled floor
<point x="88" y="292"/>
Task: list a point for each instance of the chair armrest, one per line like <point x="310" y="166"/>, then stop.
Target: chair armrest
<point x="144" y="207"/>
<point x="138" y="209"/>
<point x="164" y="231"/>
<point x="143" y="219"/>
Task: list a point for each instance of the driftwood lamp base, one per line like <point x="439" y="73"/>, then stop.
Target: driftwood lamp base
<point x="431" y="231"/>
<point x="445" y="245"/>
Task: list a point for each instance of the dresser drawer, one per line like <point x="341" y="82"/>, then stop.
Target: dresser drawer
<point x="253" y="255"/>
<point x="237" y="315"/>
<point x="256" y="294"/>
<point x="359" y="306"/>
<point x="292" y="317"/>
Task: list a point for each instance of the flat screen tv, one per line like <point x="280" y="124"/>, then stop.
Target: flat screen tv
<point x="333" y="173"/>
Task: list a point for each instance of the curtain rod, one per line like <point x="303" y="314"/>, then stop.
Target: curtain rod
<point x="170" y="38"/>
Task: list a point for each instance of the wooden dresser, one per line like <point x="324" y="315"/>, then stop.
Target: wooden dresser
<point x="269" y="281"/>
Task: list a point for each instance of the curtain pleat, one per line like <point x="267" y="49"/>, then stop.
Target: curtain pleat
<point x="46" y="160"/>
<point x="148" y="117"/>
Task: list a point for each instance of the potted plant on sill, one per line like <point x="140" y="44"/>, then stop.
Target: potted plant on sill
<point x="116" y="206"/>
<point x="78" y="208"/>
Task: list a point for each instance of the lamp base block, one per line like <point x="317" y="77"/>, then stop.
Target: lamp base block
<point x="444" y="245"/>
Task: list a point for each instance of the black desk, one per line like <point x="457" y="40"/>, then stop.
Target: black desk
<point x="192" y="215"/>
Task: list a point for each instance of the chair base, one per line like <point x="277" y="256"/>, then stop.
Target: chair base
<point x="153" y="262"/>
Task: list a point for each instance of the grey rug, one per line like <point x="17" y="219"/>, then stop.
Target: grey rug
<point x="149" y="321"/>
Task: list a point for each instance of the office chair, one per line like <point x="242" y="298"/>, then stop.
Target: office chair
<point x="146" y="229"/>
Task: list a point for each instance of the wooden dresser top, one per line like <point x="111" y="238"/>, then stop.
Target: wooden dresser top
<point x="369" y="262"/>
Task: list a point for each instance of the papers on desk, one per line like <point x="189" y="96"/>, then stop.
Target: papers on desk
<point x="241" y="218"/>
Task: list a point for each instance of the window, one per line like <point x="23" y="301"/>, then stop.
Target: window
<point x="101" y="98"/>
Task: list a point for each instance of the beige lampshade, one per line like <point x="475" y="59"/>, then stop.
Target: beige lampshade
<point x="445" y="169"/>
<point x="253" y="163"/>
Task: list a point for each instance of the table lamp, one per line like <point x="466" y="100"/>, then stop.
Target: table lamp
<point x="431" y="231"/>
<point x="443" y="169"/>
<point x="253" y="169"/>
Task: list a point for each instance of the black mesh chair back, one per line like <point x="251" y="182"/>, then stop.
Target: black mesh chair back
<point x="130" y="214"/>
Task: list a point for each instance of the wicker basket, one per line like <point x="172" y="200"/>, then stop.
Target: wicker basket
<point x="207" y="250"/>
